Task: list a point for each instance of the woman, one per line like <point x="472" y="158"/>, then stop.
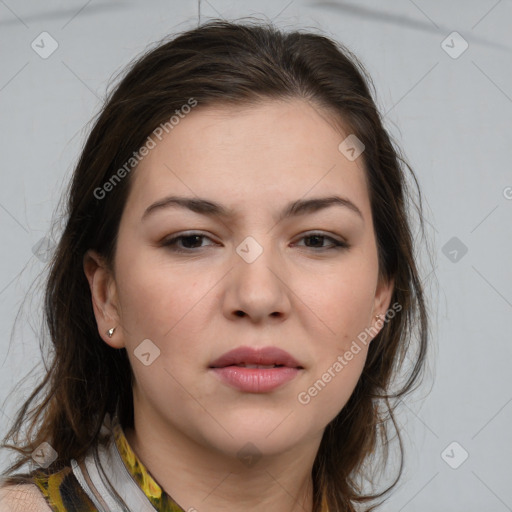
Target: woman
<point x="234" y="290"/>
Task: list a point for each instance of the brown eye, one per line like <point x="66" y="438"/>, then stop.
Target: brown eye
<point x="185" y="243"/>
<point x="317" y="242"/>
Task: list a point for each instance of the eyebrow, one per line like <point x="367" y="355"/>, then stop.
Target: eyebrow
<point x="213" y="209"/>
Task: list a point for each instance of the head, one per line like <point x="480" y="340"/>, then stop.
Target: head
<point x="300" y="243"/>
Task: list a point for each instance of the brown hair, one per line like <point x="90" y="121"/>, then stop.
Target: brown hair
<point x="220" y="63"/>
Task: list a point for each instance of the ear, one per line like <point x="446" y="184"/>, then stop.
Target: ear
<point x="104" y="298"/>
<point x="382" y="301"/>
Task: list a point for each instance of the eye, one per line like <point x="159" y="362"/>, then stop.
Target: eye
<point x="319" y="238"/>
<point x="189" y="242"/>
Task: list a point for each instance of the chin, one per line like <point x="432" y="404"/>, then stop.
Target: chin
<point x="250" y="436"/>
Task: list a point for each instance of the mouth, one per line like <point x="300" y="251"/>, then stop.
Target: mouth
<point x="266" y="367"/>
<point x="256" y="370"/>
<point x="259" y="358"/>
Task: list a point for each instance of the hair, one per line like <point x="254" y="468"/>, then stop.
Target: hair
<point x="223" y="63"/>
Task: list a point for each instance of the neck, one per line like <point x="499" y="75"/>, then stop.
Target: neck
<point x="199" y="478"/>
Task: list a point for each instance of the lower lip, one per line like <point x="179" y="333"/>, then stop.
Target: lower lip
<point x="256" y="380"/>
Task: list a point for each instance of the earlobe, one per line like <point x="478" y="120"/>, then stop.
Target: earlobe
<point x="104" y="298"/>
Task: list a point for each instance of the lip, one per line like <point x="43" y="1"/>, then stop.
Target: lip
<point x="256" y="380"/>
<point x="261" y="356"/>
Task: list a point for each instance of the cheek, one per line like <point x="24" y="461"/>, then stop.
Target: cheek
<point x="331" y="387"/>
<point x="342" y="301"/>
<point x="154" y="295"/>
<point x="342" y="298"/>
<point x="171" y="306"/>
<point x="163" y="305"/>
<point x="340" y="355"/>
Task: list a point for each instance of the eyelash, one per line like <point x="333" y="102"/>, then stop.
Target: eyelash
<point x="171" y="243"/>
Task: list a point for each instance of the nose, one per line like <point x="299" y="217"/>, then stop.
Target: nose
<point x="258" y="289"/>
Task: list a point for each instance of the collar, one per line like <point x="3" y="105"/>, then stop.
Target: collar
<point x="160" y="500"/>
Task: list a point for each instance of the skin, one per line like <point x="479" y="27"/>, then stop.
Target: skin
<point x="309" y="301"/>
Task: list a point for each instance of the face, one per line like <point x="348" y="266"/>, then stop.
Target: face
<point x="187" y="286"/>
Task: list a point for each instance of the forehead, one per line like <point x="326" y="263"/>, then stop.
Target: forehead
<point x="250" y="155"/>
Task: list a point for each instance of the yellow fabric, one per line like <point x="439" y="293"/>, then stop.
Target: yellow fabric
<point x="158" y="497"/>
<point x="62" y="491"/>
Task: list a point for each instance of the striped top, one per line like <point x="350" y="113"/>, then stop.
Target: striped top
<point x="111" y="478"/>
<point x="126" y="485"/>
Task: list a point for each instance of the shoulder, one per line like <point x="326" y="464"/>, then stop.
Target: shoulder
<point x="22" y="498"/>
<point x="44" y="490"/>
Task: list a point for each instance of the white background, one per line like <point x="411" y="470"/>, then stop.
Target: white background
<point x="453" y="118"/>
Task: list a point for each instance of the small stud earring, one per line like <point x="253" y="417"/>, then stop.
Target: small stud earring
<point x="379" y="316"/>
<point x="110" y="332"/>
